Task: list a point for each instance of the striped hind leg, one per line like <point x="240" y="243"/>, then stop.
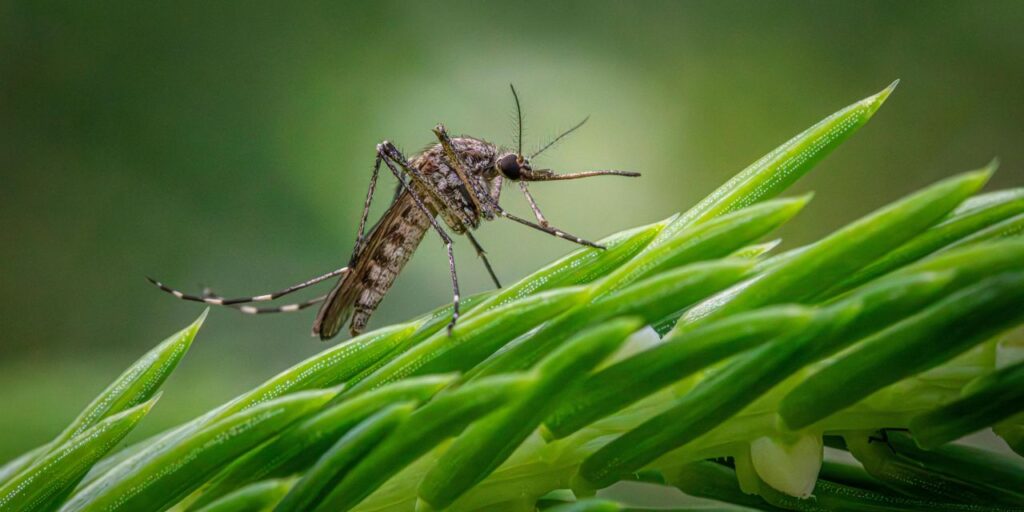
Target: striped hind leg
<point x="219" y="301"/>
<point x="393" y="157"/>
<point x="253" y="310"/>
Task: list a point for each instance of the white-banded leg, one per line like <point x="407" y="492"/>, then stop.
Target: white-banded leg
<point x="361" y="237"/>
<point x="533" y="205"/>
<point x="483" y="256"/>
<point x="219" y="301"/>
<point x="547" y="229"/>
<point x="392" y="156"/>
<point x="286" y="308"/>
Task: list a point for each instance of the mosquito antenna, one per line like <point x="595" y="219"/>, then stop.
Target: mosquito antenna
<point x="560" y="137"/>
<point x="519" y="121"/>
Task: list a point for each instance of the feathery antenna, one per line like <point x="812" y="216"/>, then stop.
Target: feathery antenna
<point x="556" y="139"/>
<point x="519" y="121"/>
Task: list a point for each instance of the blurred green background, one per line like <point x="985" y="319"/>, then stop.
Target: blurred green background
<point x="229" y="144"/>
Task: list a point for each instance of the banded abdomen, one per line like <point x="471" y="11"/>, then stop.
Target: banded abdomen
<point x="389" y="245"/>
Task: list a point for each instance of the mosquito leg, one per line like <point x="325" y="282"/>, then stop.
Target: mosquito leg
<point x="483" y="255"/>
<point x="548" y="229"/>
<point x="391" y="156"/>
<point x="533" y="205"/>
<point x="361" y="238"/>
<point x="287" y="308"/>
<point x="218" y="301"/>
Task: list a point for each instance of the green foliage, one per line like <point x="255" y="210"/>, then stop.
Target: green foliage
<point x="554" y="382"/>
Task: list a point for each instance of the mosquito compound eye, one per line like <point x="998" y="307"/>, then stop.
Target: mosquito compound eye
<point x="509" y="166"/>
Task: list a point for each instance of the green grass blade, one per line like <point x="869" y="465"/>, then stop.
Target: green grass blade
<point x="489" y="442"/>
<point x="957" y="474"/>
<point x="138" y="383"/>
<point x="962" y="227"/>
<point x="328" y="368"/>
<point x="42" y="484"/>
<point x="988" y="401"/>
<point x="809" y="271"/>
<point x="651" y="299"/>
<point x="298" y="447"/>
<point x="936" y="334"/>
<point x="314" y="486"/>
<point x="777" y="170"/>
<point x="155" y="481"/>
<point x="755" y="372"/>
<point x="588" y="505"/>
<point x="714" y="239"/>
<point x="474" y="338"/>
<point x="15" y="465"/>
<point x="257" y="497"/>
<point x="444" y="417"/>
<point x="1011" y="227"/>
<point x="581" y="266"/>
<point x="627" y="381"/>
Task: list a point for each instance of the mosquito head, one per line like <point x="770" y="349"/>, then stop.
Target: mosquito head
<point x="512" y="166"/>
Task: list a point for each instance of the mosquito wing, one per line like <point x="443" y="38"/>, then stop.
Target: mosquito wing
<point x="388" y="247"/>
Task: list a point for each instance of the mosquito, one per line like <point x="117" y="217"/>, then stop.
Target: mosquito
<point x="458" y="179"/>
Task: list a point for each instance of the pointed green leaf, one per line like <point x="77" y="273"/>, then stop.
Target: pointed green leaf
<point x="298" y="447"/>
<point x="316" y="484"/>
<point x="155" y="481"/>
<point x="808" y="272"/>
<point x="42" y="484"/>
<point x="988" y="401"/>
<point x="490" y="441"/>
<point x="474" y="338"/>
<point x="623" y="383"/>
<point x="936" y="334"/>
<point x="257" y="497"/>
<point x="445" y="416"/>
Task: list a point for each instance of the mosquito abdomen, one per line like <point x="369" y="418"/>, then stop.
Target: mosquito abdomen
<point x="391" y="245"/>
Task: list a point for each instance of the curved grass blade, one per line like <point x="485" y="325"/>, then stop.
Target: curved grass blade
<point x="588" y="505"/>
<point x="257" y="497"/>
<point x="445" y="416"/>
<point x="956" y="474"/>
<point x="44" y="483"/>
<point x="809" y="271"/>
<point x="1011" y="227"/>
<point x="750" y="375"/>
<point x="136" y="385"/>
<point x="623" y="383"/>
<point x="490" y="441"/>
<point x="578" y="267"/>
<point x="959" y="227"/>
<point x="139" y="382"/>
<point x="581" y="266"/>
<point x="474" y="338"/>
<point x="328" y="368"/>
<point x="777" y="170"/>
<point x="651" y="299"/>
<point x="710" y="240"/>
<point x="155" y="481"/>
<point x="15" y="465"/>
<point x="936" y="334"/>
<point x="314" y="486"/>
<point x="1012" y="432"/>
<point x="987" y="401"/>
<point x="298" y="447"/>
